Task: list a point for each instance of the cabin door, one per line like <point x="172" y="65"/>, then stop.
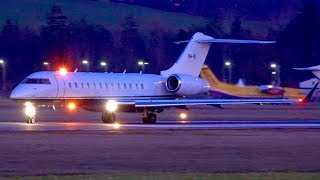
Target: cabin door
<point x="61" y="86"/>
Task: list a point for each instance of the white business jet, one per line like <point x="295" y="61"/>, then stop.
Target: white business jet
<point x="129" y="92"/>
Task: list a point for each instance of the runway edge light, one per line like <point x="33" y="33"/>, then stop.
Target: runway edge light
<point x="183" y="115"/>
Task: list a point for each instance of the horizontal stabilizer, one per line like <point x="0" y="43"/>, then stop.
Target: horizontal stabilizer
<point x="313" y="68"/>
<point x="213" y="40"/>
<point x="239" y="41"/>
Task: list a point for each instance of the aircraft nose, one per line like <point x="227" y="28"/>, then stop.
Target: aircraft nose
<point x="14" y="94"/>
<point x="17" y="93"/>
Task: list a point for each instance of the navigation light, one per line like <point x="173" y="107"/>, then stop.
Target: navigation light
<point x="63" y="71"/>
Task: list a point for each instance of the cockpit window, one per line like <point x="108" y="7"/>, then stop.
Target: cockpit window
<point x="36" y="81"/>
<point x="30" y="81"/>
<point x="44" y="81"/>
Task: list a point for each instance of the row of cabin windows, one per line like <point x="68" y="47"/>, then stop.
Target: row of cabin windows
<point x="106" y="85"/>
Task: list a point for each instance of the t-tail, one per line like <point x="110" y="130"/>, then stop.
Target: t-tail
<point x="315" y="70"/>
<point x="193" y="56"/>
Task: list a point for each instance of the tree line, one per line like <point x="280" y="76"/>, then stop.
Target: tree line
<point x="61" y="41"/>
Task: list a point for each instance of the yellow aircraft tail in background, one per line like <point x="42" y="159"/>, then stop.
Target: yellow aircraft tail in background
<point x="221" y="89"/>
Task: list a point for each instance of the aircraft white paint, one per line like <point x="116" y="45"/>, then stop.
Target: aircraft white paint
<point x="315" y="70"/>
<point x="130" y="92"/>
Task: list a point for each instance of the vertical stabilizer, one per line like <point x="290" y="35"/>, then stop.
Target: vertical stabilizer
<point x="192" y="58"/>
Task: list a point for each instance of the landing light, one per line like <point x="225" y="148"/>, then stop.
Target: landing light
<point x="111" y="106"/>
<point x="300" y="100"/>
<point x="29" y="110"/>
<point x="71" y="106"/>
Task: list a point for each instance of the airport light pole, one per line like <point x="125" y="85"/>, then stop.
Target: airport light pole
<point x="86" y="64"/>
<point x="142" y="64"/>
<point x="46" y="65"/>
<point x="229" y="67"/>
<point x="3" y="67"/>
<point x="104" y="65"/>
<point x="275" y="74"/>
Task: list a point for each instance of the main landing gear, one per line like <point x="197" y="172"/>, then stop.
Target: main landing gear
<point x="149" y="117"/>
<point x="108" y="117"/>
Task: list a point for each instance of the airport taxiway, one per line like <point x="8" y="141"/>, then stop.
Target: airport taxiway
<point x="164" y="125"/>
<point x="123" y="151"/>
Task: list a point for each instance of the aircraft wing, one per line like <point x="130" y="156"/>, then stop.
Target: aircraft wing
<point x="189" y="102"/>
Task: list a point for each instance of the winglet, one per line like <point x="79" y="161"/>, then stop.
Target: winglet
<point x="310" y="94"/>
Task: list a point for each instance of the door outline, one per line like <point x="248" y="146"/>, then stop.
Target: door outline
<point x="60" y="90"/>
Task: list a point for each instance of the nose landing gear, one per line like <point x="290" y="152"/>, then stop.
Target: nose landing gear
<point x="30" y="112"/>
<point x="31" y="119"/>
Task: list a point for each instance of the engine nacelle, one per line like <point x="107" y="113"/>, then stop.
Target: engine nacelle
<point x="185" y="85"/>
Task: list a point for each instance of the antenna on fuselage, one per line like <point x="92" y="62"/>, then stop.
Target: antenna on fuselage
<point x="76" y="70"/>
<point x="124" y="71"/>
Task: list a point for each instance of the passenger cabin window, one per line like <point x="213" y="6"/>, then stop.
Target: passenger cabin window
<point x="76" y="85"/>
<point x="94" y="85"/>
<point x="70" y="85"/>
<point x="142" y="86"/>
<point x="88" y="84"/>
<point x="119" y="86"/>
<point x="36" y="81"/>
<point x="112" y="85"/>
<point x="137" y="87"/>
<point x="130" y="85"/>
<point x="125" y="85"/>
<point x="106" y="85"/>
<point x="82" y="85"/>
<point x="100" y="85"/>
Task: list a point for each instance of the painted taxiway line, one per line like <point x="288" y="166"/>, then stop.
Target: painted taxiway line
<point x="72" y="126"/>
